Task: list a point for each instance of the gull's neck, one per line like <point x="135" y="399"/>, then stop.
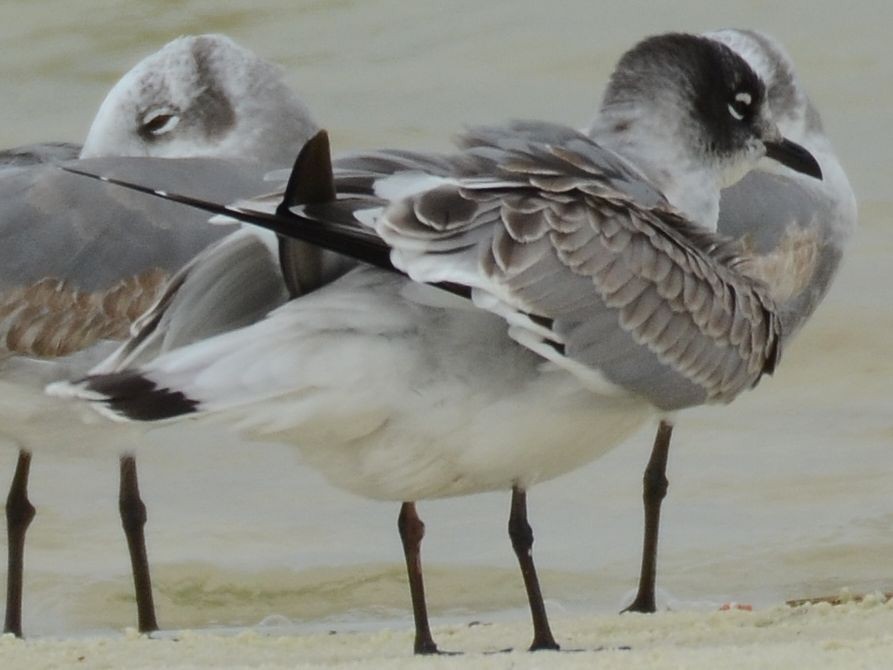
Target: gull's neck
<point x="690" y="184"/>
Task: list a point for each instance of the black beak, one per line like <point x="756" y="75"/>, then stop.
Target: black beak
<point x="794" y="156"/>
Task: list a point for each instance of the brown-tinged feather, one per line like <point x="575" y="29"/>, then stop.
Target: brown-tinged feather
<point x="50" y="318"/>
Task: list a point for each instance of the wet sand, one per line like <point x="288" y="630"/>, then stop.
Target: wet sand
<point x="847" y="636"/>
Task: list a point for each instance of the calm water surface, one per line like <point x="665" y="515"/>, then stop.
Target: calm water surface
<point x="783" y="494"/>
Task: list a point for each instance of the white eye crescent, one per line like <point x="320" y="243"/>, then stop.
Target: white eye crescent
<point x="738" y="108"/>
<point x="160" y="121"/>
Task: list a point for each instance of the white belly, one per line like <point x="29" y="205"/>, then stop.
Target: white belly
<point x="391" y="441"/>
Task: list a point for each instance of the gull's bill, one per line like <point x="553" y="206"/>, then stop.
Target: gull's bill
<point x="792" y="155"/>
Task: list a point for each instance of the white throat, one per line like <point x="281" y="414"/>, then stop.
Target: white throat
<point x="691" y="185"/>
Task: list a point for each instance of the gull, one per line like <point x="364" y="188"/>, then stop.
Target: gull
<point x="82" y="261"/>
<point x="793" y="229"/>
<point x="523" y="306"/>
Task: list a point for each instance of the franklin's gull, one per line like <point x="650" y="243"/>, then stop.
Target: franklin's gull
<point x="791" y="228"/>
<point x="598" y="254"/>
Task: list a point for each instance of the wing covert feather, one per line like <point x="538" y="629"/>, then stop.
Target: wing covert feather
<point x="575" y="236"/>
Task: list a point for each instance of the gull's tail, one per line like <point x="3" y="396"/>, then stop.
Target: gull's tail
<point x="127" y="395"/>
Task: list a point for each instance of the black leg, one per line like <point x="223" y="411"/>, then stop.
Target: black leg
<point x="412" y="530"/>
<point x="522" y="542"/>
<point x="133" y="519"/>
<point x="19" y="513"/>
<point x="653" y="491"/>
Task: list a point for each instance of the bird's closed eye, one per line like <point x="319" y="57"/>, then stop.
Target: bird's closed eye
<point x="159" y="122"/>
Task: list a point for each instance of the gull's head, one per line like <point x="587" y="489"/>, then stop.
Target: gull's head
<point x="202" y="96"/>
<point x="789" y="105"/>
<point x="695" y="117"/>
<point x="798" y="120"/>
<point x="800" y="238"/>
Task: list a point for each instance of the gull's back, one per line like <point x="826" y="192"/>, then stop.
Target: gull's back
<point x="81" y="260"/>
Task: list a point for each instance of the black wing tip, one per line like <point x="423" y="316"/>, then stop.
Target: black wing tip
<point x="312" y="179"/>
<point x="140" y="399"/>
<point x="773" y="356"/>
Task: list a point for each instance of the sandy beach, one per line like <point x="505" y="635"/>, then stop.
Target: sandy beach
<point x="816" y="636"/>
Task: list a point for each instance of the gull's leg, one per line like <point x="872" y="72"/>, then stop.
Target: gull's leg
<point x="19" y="513"/>
<point x="133" y="519"/>
<point x="412" y="530"/>
<point x="653" y="491"/>
<point x="522" y="542"/>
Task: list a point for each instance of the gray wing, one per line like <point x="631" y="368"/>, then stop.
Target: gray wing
<point x="592" y="269"/>
<point x="383" y="162"/>
<point x="233" y="283"/>
<point x="489" y="150"/>
<point x="81" y="259"/>
<point x="793" y="234"/>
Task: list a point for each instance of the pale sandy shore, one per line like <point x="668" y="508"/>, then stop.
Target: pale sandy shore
<point x="850" y="635"/>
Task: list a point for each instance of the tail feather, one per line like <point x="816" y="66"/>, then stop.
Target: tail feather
<point x="131" y="395"/>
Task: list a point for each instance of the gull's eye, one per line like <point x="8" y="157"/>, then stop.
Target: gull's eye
<point x="159" y="122"/>
<point x="740" y="107"/>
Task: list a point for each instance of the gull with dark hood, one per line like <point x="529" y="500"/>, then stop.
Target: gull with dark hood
<point x="600" y="296"/>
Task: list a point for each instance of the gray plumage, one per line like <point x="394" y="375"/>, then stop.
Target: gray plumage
<point x="231" y="284"/>
<point x="81" y="260"/>
<point x="55" y="224"/>
<point x="590" y="246"/>
<point x="803" y="234"/>
<point x="573" y="243"/>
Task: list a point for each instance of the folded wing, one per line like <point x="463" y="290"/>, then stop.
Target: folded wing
<point x="591" y="267"/>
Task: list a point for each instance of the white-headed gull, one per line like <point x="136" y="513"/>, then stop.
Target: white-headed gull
<point x="82" y="260"/>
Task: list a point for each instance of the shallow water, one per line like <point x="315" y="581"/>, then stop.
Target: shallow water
<point x="783" y="494"/>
